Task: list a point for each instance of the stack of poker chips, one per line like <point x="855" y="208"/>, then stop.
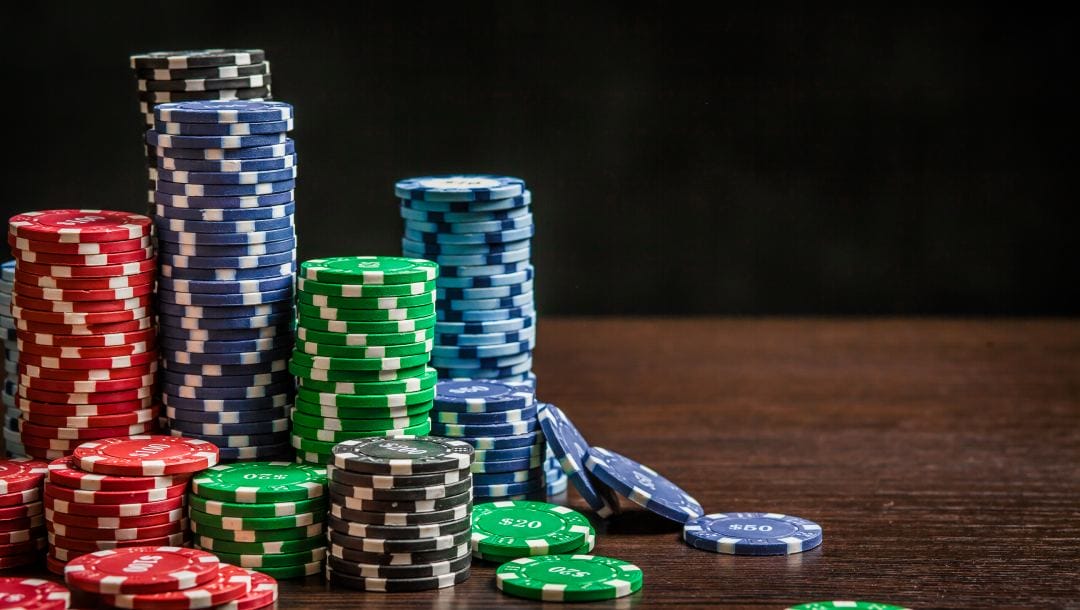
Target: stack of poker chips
<point x="266" y="516"/>
<point x="87" y="341"/>
<point x="189" y="76"/>
<point x="479" y="229"/>
<point x="227" y="253"/>
<point x="553" y="530"/>
<point x="363" y="343"/>
<point x="121" y="492"/>
<point x="154" y="577"/>
<point x="400" y="513"/>
<point x="22" y="531"/>
<point x="499" y="421"/>
<point x="12" y="415"/>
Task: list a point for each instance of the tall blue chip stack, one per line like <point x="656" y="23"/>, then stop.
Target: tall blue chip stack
<point x="227" y="259"/>
<point x="12" y="440"/>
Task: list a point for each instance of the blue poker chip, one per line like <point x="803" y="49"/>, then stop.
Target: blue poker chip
<point x="486" y="418"/>
<point x="207" y="300"/>
<point x="238" y="311"/>
<point x="461" y="187"/>
<point x="241" y="393"/>
<point x="486" y="315"/>
<point x="226" y="417"/>
<point x="236" y="440"/>
<point x="480" y="396"/>
<point x="474" y="207"/>
<point x="460" y="260"/>
<point x="490" y="238"/>
<point x="223" y="190"/>
<point x="273" y="247"/>
<point x="472" y="271"/>
<point x="161" y="140"/>
<point x="439" y="249"/>
<point x="752" y="533"/>
<point x="510" y="453"/>
<point x="492" y="292"/>
<point x="223" y="203"/>
<point x="454" y="218"/>
<point x="492" y="374"/>
<point x="223" y="112"/>
<point x="241" y="323"/>
<point x="527" y="439"/>
<point x="266" y="177"/>
<point x="505" y="279"/>
<point x="229" y="405"/>
<point x="504" y="478"/>
<point x="217" y="370"/>
<point x="482" y="363"/>
<point x="282" y="451"/>
<point x="226" y="381"/>
<point x="449" y="353"/>
<point x="464" y="340"/>
<point x="642" y="485"/>
<point x="507" y="489"/>
<point x="227" y="275"/>
<point x="230" y="262"/>
<point x="557" y="486"/>
<point x="476" y="227"/>
<point x="223" y="129"/>
<point x="483" y="431"/>
<point x="172" y="229"/>
<point x="227" y="347"/>
<point x="248" y="238"/>
<point x="228" y="215"/>
<point x="520" y="300"/>
<point x="219" y="154"/>
<point x="226" y="165"/>
<point x="7" y="271"/>
<point x="235" y="358"/>
<point x="270" y="427"/>
<point x="201" y="287"/>
<point x="570" y="447"/>
<point x="502" y="465"/>
<point x="240" y="334"/>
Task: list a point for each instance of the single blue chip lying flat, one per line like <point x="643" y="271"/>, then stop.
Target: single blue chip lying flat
<point x="571" y="450"/>
<point x="462" y="187"/>
<point x="642" y="485"/>
<point x="752" y="533"/>
<point x="480" y="396"/>
<point x="223" y="112"/>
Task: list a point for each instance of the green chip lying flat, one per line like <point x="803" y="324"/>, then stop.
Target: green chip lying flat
<point x="569" y="578"/>
<point x="857" y="605"/>
<point x="259" y="482"/>
<point x="527" y="528"/>
<point x="369" y="270"/>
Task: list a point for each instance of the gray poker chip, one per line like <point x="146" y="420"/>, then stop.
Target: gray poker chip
<point x="433" y="492"/>
<point x="400" y="518"/>
<point x="402" y="506"/>
<point x="389" y="481"/>
<point x="402" y="455"/>
<point x="400" y="559"/>
<point x="401" y="532"/>
<point x="397" y="584"/>
<point x="424" y="570"/>
<point x="383" y="545"/>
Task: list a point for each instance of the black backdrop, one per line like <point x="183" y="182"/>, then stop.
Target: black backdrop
<point x="793" y="160"/>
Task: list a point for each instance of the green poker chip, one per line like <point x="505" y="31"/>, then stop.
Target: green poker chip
<point x="315" y="459"/>
<point x="357" y="425"/>
<point x="301" y="370"/>
<point x="321" y="300"/>
<point x="369" y="270"/>
<point x="365" y="340"/>
<point x="571" y="578"/>
<point x="365" y="315"/>
<point x="278" y="509"/>
<point x="323" y="441"/>
<point x="282" y="560"/>
<point x="259" y="482"/>
<point x="525" y="527"/>
<point x="256" y="523"/>
<point x="426" y="379"/>
<point x="365" y="328"/>
<point x="584" y="549"/>
<point x="286" y="572"/>
<point x="378" y="351"/>
<point x="364" y="291"/>
<point x="315" y="410"/>
<point x="360" y="364"/>
<point x="261" y="548"/>
<point x="297" y="533"/>
<point x="855" y="605"/>
<point x="333" y="399"/>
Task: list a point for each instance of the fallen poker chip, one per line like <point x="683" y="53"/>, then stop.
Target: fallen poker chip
<point x="642" y="485"/>
<point x="33" y="594"/>
<point x="402" y="455"/>
<point x="75" y="226"/>
<point x="231" y="583"/>
<point x="361" y="583"/>
<point x="497" y="528"/>
<point x="571" y="449"/>
<point x="464" y="187"/>
<point x="150" y="455"/>
<point x="569" y="578"/>
<point x="845" y="605"/>
<point x="141" y="570"/>
<point x="260" y="482"/>
<point x="21" y="474"/>
<point x="752" y="533"/>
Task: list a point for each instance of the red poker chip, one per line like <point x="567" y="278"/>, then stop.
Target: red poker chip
<point x="230" y="583"/>
<point x="87" y="387"/>
<point x="68" y="271"/>
<point x="54" y="565"/>
<point x="78" y="226"/>
<point x="33" y="593"/>
<point x="142" y="569"/>
<point x="151" y="455"/>
<point x="87" y="248"/>
<point x="135" y="533"/>
<point x="20" y="497"/>
<point x="79" y="398"/>
<point x="86" y="352"/>
<point x="264" y="591"/>
<point x="84" y="329"/>
<point x="75" y="435"/>
<point x="85" y="496"/>
<point x="20" y="300"/>
<point x="82" y="296"/>
<point x="97" y="421"/>
<point x="89" y="546"/>
<point x="113" y="523"/>
<point x="111" y="408"/>
<point x="19" y="536"/>
<point x="100" y="317"/>
<point x="138" y="336"/>
<point x="52" y="447"/>
<point x="64" y="472"/>
<point x="113" y="510"/>
<point x="20" y="474"/>
<point x="62" y="556"/>
<point x="88" y="283"/>
<point x="18" y="512"/>
<point x="20" y="548"/>
<point x="87" y="374"/>
<point x="24" y="523"/>
<point x="44" y="454"/>
<point x="89" y="260"/>
<point x="89" y="363"/>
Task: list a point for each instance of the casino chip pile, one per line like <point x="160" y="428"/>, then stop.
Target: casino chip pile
<point x="508" y="529"/>
<point x="33" y="594"/>
<point x="156" y="577"/>
<point x="226" y="253"/>
<point x="266" y="516"/>
<point x="189" y="76"/>
<point x="12" y="415"/>
<point x="499" y="421"/>
<point x="400" y="513"/>
<point x="121" y="492"/>
<point x="479" y="229"/>
<point x="364" y="338"/>
<point x="22" y="531"/>
<point x="88" y="347"/>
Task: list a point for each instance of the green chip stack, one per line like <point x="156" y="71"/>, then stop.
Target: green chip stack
<point x="266" y="516"/>
<point x="364" y="338"/>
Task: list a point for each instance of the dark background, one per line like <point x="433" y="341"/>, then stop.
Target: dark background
<point x="800" y="159"/>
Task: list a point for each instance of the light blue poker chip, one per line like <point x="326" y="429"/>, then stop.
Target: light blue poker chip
<point x="223" y="203"/>
<point x="165" y="141"/>
<point x="228" y="215"/>
<point x="230" y="311"/>
<point x="170" y="229"/>
<point x="486" y="418"/>
<point x="227" y="347"/>
<point x="202" y="287"/>
<point x="752" y="533"/>
<point x="227" y="275"/>
<point x="485" y="315"/>
<point x="499" y="375"/>
<point x="242" y="393"/>
<point x="557" y="485"/>
<point x="441" y="249"/>
<point x="234" y="358"/>
<point x="475" y="260"/>
<point x="226" y="165"/>
<point x="225" y="262"/>
<point x="223" y="112"/>
<point x="570" y="449"/>
<point x="479" y="340"/>
<point x="520" y="300"/>
<point x="223" y="190"/>
<point x="489" y="238"/>
<point x="229" y="405"/>
<point x="472" y="271"/>
<point x="477" y="228"/>
<point x="450" y="353"/>
<point x="223" y="129"/>
<point x="226" y="417"/>
<point x="7" y="271"/>
<point x="247" y="250"/>
<point x="459" y="188"/>
<point x="222" y="154"/>
<point x="482" y="363"/>
<point x="504" y="279"/>
<point x="642" y="485"/>
<point x="492" y="292"/>
<point x="185" y="177"/>
<point x="410" y="214"/>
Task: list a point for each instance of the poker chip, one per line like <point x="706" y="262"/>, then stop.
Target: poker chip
<point x="33" y="594"/>
<point x="276" y="547"/>
<point x="83" y="496"/>
<point x="261" y="482"/>
<point x="397" y="584"/>
<point x="263" y="594"/>
<point x="112" y="510"/>
<point x="424" y="570"/>
<point x="90" y="545"/>
<point x="138" y="570"/>
<point x="849" y="605"/>
<point x="642" y="485"/>
<point x="146" y="456"/>
<point x="752" y="533"/>
<point x="76" y="226"/>
<point x="524" y="528"/>
<point x="404" y="456"/>
<point x="570" y="578"/>
<point x="571" y="449"/>
<point x="230" y="583"/>
<point x="257" y="510"/>
<point x="21" y="474"/>
<point x="257" y="523"/>
<point x="114" y="523"/>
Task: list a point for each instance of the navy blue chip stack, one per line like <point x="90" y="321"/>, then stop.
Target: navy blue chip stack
<point x="227" y="258"/>
<point x="187" y="76"/>
<point x="12" y="441"/>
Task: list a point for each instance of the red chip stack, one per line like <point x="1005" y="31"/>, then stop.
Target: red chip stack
<point x="22" y="531"/>
<point x="121" y="492"/>
<point x="84" y="282"/>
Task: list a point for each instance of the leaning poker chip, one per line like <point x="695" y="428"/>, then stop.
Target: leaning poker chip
<point x="21" y="474"/>
<point x="752" y="533"/>
<point x="642" y="485"/>
<point x="571" y="449"/>
<point x="847" y="605"/>
<point x="322" y="374"/>
<point x="223" y="112"/>
<point x="475" y="187"/>
<point x="533" y="528"/>
<point x="33" y="594"/>
<point x="585" y="549"/>
<point x="141" y="570"/>
<point x="260" y="482"/>
<point x="208" y="58"/>
<point x="403" y="455"/>
<point x="569" y="578"/>
<point x="475" y="207"/>
<point x="76" y="226"/>
<point x="231" y="583"/>
<point x="389" y="585"/>
<point x="146" y="455"/>
<point x="369" y="270"/>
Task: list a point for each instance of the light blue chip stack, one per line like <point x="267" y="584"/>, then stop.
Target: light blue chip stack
<point x="227" y="258"/>
<point x="12" y="439"/>
<point x="479" y="229"/>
